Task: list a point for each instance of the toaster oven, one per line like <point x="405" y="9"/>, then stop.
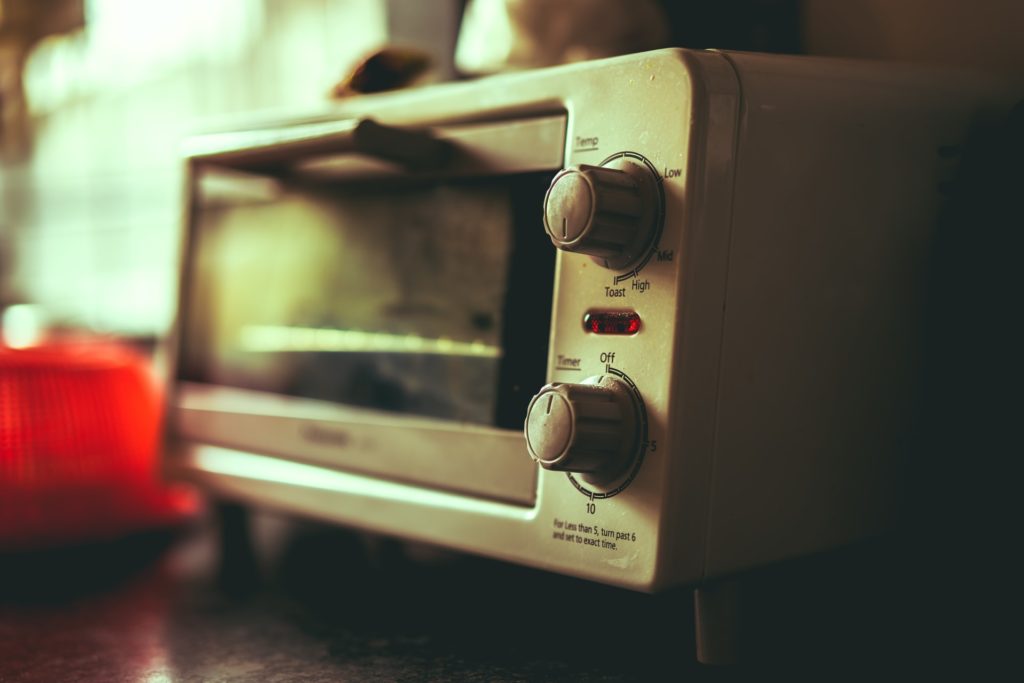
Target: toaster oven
<point x="650" y="321"/>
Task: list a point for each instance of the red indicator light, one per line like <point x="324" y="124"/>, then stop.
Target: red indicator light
<point x="611" y="322"/>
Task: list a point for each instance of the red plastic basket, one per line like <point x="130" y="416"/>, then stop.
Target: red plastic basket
<point x="79" y="436"/>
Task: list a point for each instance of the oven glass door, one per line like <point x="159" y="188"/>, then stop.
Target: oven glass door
<point x="423" y="297"/>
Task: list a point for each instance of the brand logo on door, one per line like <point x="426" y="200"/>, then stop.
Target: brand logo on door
<point x="325" y="436"/>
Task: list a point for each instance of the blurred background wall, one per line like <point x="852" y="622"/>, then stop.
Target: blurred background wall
<point x="91" y="188"/>
<point x="96" y="95"/>
<point x="977" y="34"/>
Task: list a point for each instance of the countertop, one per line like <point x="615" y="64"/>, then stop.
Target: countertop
<point x="316" y="603"/>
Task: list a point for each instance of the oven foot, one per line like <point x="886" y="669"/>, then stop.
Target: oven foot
<point x="237" y="568"/>
<point x="716" y="607"/>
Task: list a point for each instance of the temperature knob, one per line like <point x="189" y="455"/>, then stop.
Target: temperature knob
<point x="589" y="428"/>
<point x="609" y="212"/>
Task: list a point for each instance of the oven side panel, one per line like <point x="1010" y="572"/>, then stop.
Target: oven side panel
<point x="837" y="193"/>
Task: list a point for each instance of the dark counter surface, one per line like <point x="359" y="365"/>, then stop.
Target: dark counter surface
<point x="324" y="604"/>
<point x="328" y="605"/>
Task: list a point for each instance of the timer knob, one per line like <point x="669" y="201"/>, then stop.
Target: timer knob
<point x="588" y="428"/>
<point x="606" y="211"/>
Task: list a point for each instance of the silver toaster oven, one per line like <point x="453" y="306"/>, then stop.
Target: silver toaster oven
<point x="650" y="321"/>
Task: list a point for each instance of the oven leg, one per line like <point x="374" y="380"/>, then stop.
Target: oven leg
<point x="237" y="568"/>
<point x="716" y="607"/>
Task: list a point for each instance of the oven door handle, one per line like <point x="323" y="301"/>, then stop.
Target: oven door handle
<point x="274" y="149"/>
